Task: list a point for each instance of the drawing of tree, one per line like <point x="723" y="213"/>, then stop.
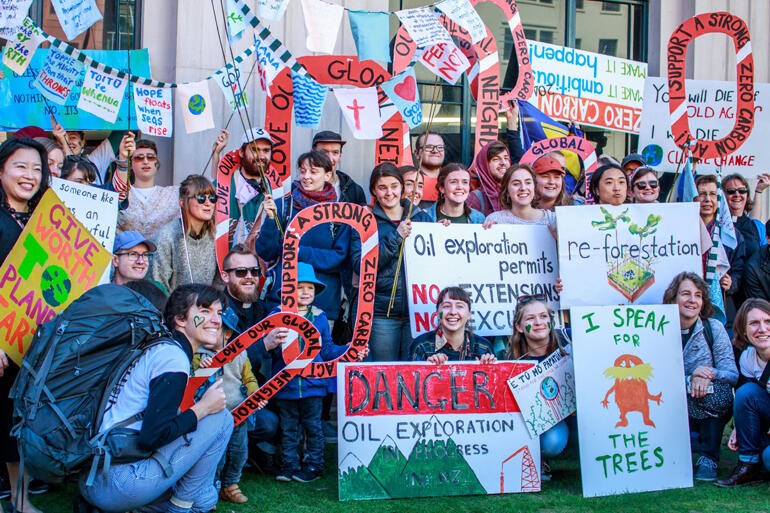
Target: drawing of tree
<point x="610" y="222"/>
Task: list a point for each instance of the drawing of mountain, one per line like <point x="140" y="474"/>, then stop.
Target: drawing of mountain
<point x="356" y="482"/>
<point x="387" y="463"/>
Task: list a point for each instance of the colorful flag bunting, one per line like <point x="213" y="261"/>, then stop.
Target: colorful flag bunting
<point x="231" y="82"/>
<point x="271" y="10"/>
<point x="463" y="13"/>
<point x="322" y="21"/>
<point x="371" y="34"/>
<point x="154" y="111"/>
<point x="102" y="94"/>
<point x="236" y="25"/>
<point x="57" y="77"/>
<point x="424" y="26"/>
<point x="446" y="61"/>
<point x="268" y="63"/>
<point x="309" y="99"/>
<point x="20" y="48"/>
<point x="195" y="101"/>
<point x="360" y="108"/>
<point x="402" y="90"/>
<point x="75" y="16"/>
<point x="12" y="16"/>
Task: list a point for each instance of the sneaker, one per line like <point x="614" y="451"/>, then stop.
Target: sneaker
<point x="307" y="474"/>
<point x="706" y="469"/>
<point x="743" y="474"/>
<point x="36" y="487"/>
<point x="545" y="471"/>
<point x="233" y="494"/>
<point x="285" y="475"/>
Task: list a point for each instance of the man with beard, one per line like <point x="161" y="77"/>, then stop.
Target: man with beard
<point x="433" y="147"/>
<point x="241" y="277"/>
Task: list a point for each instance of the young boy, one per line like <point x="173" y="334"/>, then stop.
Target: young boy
<point x="238" y="382"/>
<point x="300" y="402"/>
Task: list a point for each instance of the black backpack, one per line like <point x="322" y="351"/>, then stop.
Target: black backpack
<point x="68" y="373"/>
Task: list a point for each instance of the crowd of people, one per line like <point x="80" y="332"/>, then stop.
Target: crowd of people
<point x="166" y="250"/>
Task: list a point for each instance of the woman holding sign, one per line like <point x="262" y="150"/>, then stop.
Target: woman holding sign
<point x="517" y="195"/>
<point x="454" y="185"/>
<point x="391" y="334"/>
<point x="535" y="338"/>
<point x="709" y="366"/>
<point x="24" y="177"/>
<point x="609" y="185"/>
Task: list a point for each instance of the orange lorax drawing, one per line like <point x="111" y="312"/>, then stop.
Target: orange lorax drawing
<point x="631" y="376"/>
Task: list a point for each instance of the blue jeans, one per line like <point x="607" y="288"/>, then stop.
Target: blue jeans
<point x="263" y="426"/>
<point x="752" y="420"/>
<point x="390" y="340"/>
<point x="232" y="462"/>
<point x="299" y="414"/>
<point x="706" y="436"/>
<point x="553" y="441"/>
<point x="143" y="484"/>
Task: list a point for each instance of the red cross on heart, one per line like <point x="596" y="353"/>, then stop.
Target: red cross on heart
<point x="406" y="89"/>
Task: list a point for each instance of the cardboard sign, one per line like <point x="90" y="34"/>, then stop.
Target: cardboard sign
<point x="582" y="147"/>
<point x="629" y="375"/>
<point x="709" y="23"/>
<point x="31" y="109"/>
<point x="57" y="77"/>
<point x="96" y="209"/>
<point x="101" y="94"/>
<point x="494" y="266"/>
<point x="154" y="110"/>
<point x="54" y="261"/>
<point x="711" y="110"/>
<point x="589" y="88"/>
<point x="417" y="430"/>
<point x="546" y="392"/>
<point x="626" y="254"/>
<point x="75" y="16"/>
<point x="446" y="61"/>
<point x="19" y="50"/>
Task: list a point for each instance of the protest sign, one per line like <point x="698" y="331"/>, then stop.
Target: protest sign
<point x="421" y="430"/>
<point x="494" y="266"/>
<point x="546" y="392"/>
<point x="268" y="64"/>
<point x="445" y="60"/>
<point x="629" y="376"/>
<point x="231" y="82"/>
<point x="627" y="253"/>
<point x="424" y="26"/>
<point x="53" y="262"/>
<point x="589" y="88"/>
<point x="12" y="14"/>
<point x="195" y="102"/>
<point x="154" y="111"/>
<point x="96" y="209"/>
<point x="236" y="25"/>
<point x="711" y="111"/>
<point x="101" y="94"/>
<point x="57" y="77"/>
<point x="271" y="10"/>
<point x="322" y="21"/>
<point x="19" y="49"/>
<point x="463" y="13"/>
<point x="709" y="23"/>
<point x="75" y="16"/>
<point x="360" y="108"/>
<point x="402" y="90"/>
<point x="31" y="109"/>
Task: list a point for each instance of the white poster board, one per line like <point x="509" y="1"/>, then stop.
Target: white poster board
<point x="625" y="254"/>
<point x="589" y="88"/>
<point x="546" y="392"/>
<point x="632" y="427"/>
<point x="711" y="111"/>
<point x="494" y="266"/>
<point x="421" y="430"/>
<point x="96" y="208"/>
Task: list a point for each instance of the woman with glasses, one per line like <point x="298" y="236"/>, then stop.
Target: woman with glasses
<point x="150" y="206"/>
<point x="325" y="247"/>
<point x="186" y="247"/>
<point x="644" y="185"/>
<point x="741" y="204"/>
<point x="535" y="337"/>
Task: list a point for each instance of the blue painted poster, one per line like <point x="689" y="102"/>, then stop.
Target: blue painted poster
<point x="31" y="109"/>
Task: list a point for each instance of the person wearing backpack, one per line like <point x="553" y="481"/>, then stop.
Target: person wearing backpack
<point x="179" y="475"/>
<point x="709" y="366"/>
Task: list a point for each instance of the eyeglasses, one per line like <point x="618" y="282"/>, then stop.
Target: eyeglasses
<point x="434" y="148"/>
<point x="741" y="191"/>
<point x="201" y="198"/>
<point x="241" y="272"/>
<point x="653" y="184"/>
<point x="526" y="298"/>
<point x="149" y="157"/>
<point x="133" y="256"/>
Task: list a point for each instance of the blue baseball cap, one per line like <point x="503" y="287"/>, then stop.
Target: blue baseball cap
<point x="306" y="274"/>
<point x="129" y="239"/>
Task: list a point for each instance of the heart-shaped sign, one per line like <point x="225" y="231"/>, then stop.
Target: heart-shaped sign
<point x="406" y="89"/>
<point x="302" y="363"/>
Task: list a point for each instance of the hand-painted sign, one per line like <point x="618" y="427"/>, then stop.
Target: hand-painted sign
<point x="629" y="376"/>
<point x="19" y="49"/>
<point x="625" y="254"/>
<point x="154" y="110"/>
<point x="56" y="79"/>
<point x="96" y="209"/>
<point x="232" y="84"/>
<point x="101" y="94"/>
<point x="711" y="112"/>
<point x="446" y="61"/>
<point x="75" y="16"/>
<point x="12" y="13"/>
<point x="495" y="266"/>
<point x="589" y="88"/>
<point x="31" y="109"/>
<point x="546" y="392"/>
<point x="417" y="430"/>
<point x="54" y="261"/>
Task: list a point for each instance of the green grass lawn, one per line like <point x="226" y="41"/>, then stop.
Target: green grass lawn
<point x="561" y="494"/>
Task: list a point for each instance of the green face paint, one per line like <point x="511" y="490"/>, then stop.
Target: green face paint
<point x="528" y="327"/>
<point x="440" y="315"/>
<point x="549" y="324"/>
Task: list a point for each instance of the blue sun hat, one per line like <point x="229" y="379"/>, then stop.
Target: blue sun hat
<point x="306" y="274"/>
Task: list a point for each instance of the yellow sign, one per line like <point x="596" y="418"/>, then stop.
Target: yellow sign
<point x="53" y="263"/>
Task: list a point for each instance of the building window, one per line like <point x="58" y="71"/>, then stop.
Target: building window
<point x="118" y="30"/>
<point x="579" y="4"/>
<point x="608" y="47"/>
<point x="546" y="36"/>
<point x="578" y="43"/>
<point x="610" y="7"/>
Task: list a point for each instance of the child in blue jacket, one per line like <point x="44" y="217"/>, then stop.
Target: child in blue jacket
<point x="300" y="401"/>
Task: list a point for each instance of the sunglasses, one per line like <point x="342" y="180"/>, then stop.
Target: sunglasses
<point x="730" y="192"/>
<point x="653" y="184"/>
<point x="241" y="272"/>
<point x="149" y="157"/>
<point x="201" y="198"/>
<point x="526" y="298"/>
